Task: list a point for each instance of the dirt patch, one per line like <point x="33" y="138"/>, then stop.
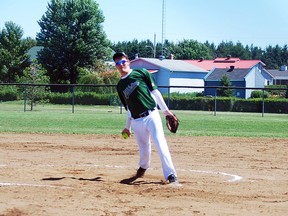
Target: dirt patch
<point x="43" y="174"/>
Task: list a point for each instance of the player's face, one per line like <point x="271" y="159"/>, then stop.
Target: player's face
<point x="123" y="65"/>
<point x="121" y="62"/>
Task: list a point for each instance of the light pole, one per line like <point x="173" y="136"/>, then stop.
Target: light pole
<point x="153" y="50"/>
<point x="154" y="46"/>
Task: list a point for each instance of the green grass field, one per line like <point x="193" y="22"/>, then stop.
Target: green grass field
<point x="108" y="120"/>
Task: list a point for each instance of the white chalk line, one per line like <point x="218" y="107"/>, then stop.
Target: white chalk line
<point x="233" y="177"/>
<point x="2" y="184"/>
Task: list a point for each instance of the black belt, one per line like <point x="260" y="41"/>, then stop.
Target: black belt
<point x="144" y="114"/>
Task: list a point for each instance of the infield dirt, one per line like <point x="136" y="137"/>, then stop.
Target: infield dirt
<point x="55" y="174"/>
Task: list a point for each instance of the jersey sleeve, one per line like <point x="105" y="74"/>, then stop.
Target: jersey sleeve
<point x="123" y="101"/>
<point x="149" y="80"/>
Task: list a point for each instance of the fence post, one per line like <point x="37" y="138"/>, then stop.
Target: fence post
<point x="168" y="97"/>
<point x="215" y="102"/>
<point x="121" y="109"/>
<point x="73" y="100"/>
<point x="25" y="98"/>
<point x="262" y="102"/>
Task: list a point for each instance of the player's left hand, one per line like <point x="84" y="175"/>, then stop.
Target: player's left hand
<point x="172" y="122"/>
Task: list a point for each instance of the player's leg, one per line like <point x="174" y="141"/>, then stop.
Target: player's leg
<point x="155" y="126"/>
<point x="144" y="144"/>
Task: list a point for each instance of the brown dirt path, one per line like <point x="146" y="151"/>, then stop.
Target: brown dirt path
<point x="42" y="174"/>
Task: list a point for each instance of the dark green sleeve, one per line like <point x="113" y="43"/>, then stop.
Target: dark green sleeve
<point x="123" y="101"/>
<point x="150" y="82"/>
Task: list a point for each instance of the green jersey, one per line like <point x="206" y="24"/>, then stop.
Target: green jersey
<point x="135" y="91"/>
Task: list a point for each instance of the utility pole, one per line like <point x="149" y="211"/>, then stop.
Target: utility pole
<point x="153" y="48"/>
<point x="163" y="27"/>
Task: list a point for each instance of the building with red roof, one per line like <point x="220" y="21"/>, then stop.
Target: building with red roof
<point x="241" y="73"/>
<point x="225" y="63"/>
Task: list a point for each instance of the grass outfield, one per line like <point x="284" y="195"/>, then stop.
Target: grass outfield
<point x="108" y="120"/>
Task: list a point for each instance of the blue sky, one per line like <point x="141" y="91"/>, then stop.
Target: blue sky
<point x="258" y="22"/>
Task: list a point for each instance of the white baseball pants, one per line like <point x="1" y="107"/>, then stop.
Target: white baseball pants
<point x="145" y="129"/>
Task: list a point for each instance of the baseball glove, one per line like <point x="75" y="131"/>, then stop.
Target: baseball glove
<point x="172" y="123"/>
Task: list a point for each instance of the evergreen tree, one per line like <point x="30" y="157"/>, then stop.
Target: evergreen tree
<point x="255" y="52"/>
<point x="73" y="38"/>
<point x="272" y="57"/>
<point x="224" y="49"/>
<point x="212" y="49"/>
<point x="234" y="50"/>
<point x="225" y="92"/>
<point x="13" y="52"/>
<point x="239" y="51"/>
<point x="135" y="48"/>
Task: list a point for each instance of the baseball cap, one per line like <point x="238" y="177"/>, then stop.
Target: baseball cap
<point x="118" y="55"/>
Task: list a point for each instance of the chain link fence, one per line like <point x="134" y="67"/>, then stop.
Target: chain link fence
<point x="77" y="94"/>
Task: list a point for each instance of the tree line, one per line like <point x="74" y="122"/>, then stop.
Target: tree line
<point x="75" y="48"/>
<point x="188" y="49"/>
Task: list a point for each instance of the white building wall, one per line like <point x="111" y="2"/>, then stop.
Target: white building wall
<point x="250" y="79"/>
<point x="186" y="82"/>
<point x="254" y="79"/>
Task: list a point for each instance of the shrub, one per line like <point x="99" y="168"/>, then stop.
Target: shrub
<point x="84" y="98"/>
<point x="60" y="98"/>
<point x="276" y="106"/>
<point x="250" y="105"/>
<point x="277" y="92"/>
<point x="224" y="103"/>
<point x="259" y="94"/>
<point x="8" y="93"/>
